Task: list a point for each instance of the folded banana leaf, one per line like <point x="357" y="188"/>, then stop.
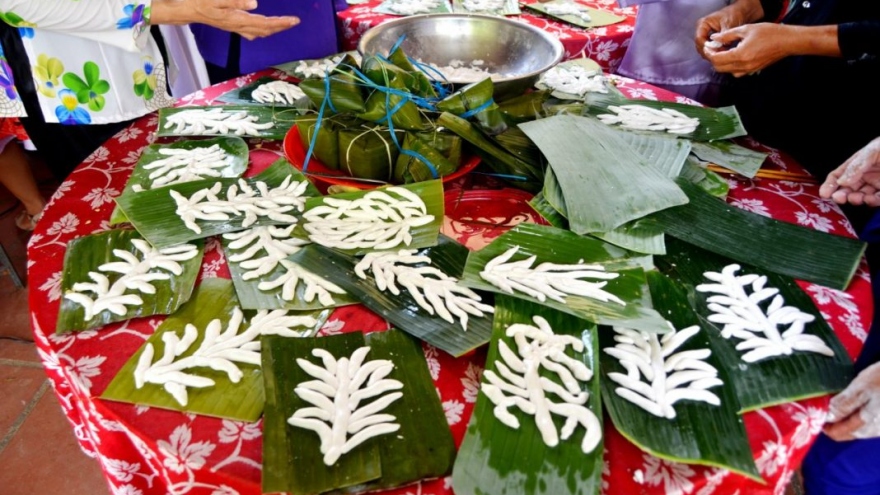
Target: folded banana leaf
<point x="326" y="148"/>
<point x="626" y="298"/>
<point x="359" y="222"/>
<point x="265" y="279"/>
<point x="392" y="7"/>
<point x="227" y="120"/>
<point x="345" y="93"/>
<point x="155" y="214"/>
<point x="368" y="152"/>
<point x="495" y="458"/>
<point x="715" y="123"/>
<point x="593" y="18"/>
<point x="175" y="378"/>
<point x="699" y="432"/>
<point x="393" y="102"/>
<point x="92" y="298"/>
<point x="730" y="155"/>
<point x="423" y="162"/>
<point x="771" y="381"/>
<point x="145" y="175"/>
<point x="447" y="143"/>
<point x="548" y="212"/>
<point x="423" y="86"/>
<point x="781" y="247"/>
<point x="605" y="182"/>
<point x="515" y="141"/>
<point x="402" y="310"/>
<point x="524" y="107"/>
<point x="475" y="101"/>
<point x="381" y="70"/>
<point x="292" y="461"/>
<point x="521" y="173"/>
<point x="707" y="180"/>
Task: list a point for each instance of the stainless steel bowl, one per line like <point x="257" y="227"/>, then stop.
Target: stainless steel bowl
<point x="518" y="50"/>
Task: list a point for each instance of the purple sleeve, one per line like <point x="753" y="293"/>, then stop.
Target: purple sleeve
<point x="631" y="3"/>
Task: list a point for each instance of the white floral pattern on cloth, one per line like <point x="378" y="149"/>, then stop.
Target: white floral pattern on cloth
<point x="222" y="458"/>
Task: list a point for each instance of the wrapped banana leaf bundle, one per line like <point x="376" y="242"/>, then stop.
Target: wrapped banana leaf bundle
<point x="525" y="107"/>
<point x="345" y="92"/>
<point x="421" y="160"/>
<point x="423" y="86"/>
<point x="475" y="102"/>
<point x="325" y="136"/>
<point x="392" y="99"/>
<point x="369" y="152"/>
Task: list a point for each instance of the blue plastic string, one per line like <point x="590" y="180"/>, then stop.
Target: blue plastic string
<point x="504" y="176"/>
<point x="474" y="111"/>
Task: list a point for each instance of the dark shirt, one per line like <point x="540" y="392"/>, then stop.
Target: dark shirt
<point x="821" y="110"/>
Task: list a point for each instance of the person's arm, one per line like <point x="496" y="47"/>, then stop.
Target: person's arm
<point x="756" y="46"/>
<point x="228" y="15"/>
<point x="737" y="14"/>
<point x="857" y="180"/>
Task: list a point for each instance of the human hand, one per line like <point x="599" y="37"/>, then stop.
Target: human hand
<point x="228" y="15"/>
<point x="857" y="180"/>
<point x="737" y="14"/>
<point x="756" y="47"/>
<point x="855" y="412"/>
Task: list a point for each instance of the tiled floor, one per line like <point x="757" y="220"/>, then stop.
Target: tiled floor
<point x="38" y="452"/>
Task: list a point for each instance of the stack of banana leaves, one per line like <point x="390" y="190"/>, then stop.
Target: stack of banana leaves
<point x="648" y="300"/>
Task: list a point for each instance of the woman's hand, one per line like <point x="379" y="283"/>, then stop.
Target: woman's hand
<point x="855" y="412"/>
<point x="228" y="15"/>
<point x="857" y="180"/>
<point x="737" y="14"/>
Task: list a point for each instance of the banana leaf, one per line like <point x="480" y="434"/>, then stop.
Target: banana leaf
<point x="423" y="162"/>
<point x="251" y="296"/>
<point x="715" y="123"/>
<point x="154" y="213"/>
<point x="244" y="96"/>
<point x="700" y="433"/>
<point x="213" y="299"/>
<point x="551" y="245"/>
<point x="381" y="71"/>
<point x="515" y="141"/>
<point x="503" y="7"/>
<point x="402" y="310"/>
<point x="540" y="204"/>
<point x="771" y="381"/>
<point x="423" y="86"/>
<point x="605" y="183"/>
<point x="552" y="193"/>
<point x="292" y="462"/>
<point x="236" y="160"/>
<point x="597" y="17"/>
<point x="781" y="247"/>
<point x="392" y="101"/>
<point x="522" y="174"/>
<point x="345" y="94"/>
<point x="281" y="119"/>
<point x="388" y="7"/>
<point x="369" y="152"/>
<point x="524" y="107"/>
<point x="730" y="155"/>
<point x="705" y="179"/>
<point x="86" y="254"/>
<point x="326" y="148"/>
<point x="475" y="100"/>
<point x="318" y="68"/>
<point x="430" y="192"/>
<point x="495" y="458"/>
<point x="447" y="143"/>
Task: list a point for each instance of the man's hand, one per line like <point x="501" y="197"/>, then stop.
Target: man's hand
<point x="855" y="412"/>
<point x="857" y="180"/>
<point x="737" y="14"/>
<point x="228" y="15"/>
<point x="755" y="46"/>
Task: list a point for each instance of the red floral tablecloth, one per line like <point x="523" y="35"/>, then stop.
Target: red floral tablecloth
<point x="606" y="45"/>
<point x="146" y="450"/>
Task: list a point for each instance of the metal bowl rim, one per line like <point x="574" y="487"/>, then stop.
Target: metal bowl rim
<point x="558" y="49"/>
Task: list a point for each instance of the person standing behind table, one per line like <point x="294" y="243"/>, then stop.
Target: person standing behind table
<point x="844" y="460"/>
<point x="803" y="85"/>
<point x="661" y="50"/>
<point x="227" y="55"/>
<point x="86" y="69"/>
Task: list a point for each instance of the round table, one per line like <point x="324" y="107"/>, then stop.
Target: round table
<point x="606" y="44"/>
<point x="146" y="451"/>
